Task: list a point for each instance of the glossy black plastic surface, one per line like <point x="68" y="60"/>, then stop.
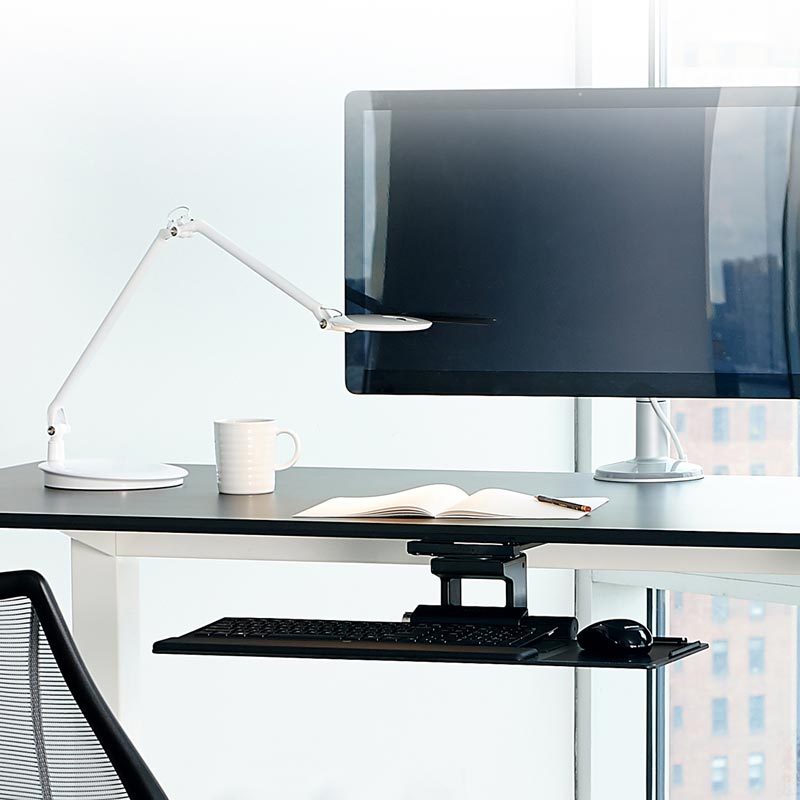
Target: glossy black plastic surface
<point x="621" y="225"/>
<point x="546" y="651"/>
<point x="616" y="637"/>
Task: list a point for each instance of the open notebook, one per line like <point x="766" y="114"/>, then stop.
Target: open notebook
<point x="442" y="501"/>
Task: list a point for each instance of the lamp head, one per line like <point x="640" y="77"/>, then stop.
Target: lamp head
<point x="383" y="323"/>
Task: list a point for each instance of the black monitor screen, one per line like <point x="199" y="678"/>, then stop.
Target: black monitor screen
<point x="593" y="242"/>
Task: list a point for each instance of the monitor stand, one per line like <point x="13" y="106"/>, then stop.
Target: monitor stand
<point x="652" y="463"/>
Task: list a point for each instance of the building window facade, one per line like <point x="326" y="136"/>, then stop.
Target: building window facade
<point x="719" y="657"/>
<point x="757" y="610"/>
<point x="719" y="609"/>
<point x="758" y="423"/>
<point x="719" y="716"/>
<point x="756" y="777"/>
<point x="719" y="774"/>
<point x="756" y="713"/>
<point x="720" y="424"/>
<point x="755" y="649"/>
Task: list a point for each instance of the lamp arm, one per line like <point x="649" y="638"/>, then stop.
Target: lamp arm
<point x="57" y="425"/>
<point x="286" y="286"/>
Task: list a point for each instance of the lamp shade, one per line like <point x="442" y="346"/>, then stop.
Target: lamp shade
<point x="377" y="322"/>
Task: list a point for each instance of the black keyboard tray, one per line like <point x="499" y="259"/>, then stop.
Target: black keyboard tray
<point x="555" y="653"/>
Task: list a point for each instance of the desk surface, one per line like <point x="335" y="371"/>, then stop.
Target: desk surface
<point x="758" y="512"/>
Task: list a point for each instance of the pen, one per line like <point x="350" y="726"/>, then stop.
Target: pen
<point x="563" y="503"/>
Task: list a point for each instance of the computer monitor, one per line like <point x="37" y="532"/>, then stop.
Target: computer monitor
<point x="587" y="242"/>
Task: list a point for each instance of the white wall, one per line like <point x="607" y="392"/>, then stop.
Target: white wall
<point x="111" y="116"/>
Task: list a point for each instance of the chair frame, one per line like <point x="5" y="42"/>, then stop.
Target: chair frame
<point x="131" y="769"/>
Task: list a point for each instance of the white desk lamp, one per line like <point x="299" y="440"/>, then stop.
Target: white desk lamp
<point x="60" y="473"/>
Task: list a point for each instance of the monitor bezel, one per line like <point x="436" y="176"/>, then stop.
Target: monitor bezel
<point x="541" y="384"/>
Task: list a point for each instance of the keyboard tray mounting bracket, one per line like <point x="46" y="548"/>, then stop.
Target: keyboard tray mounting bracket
<point x="456" y="561"/>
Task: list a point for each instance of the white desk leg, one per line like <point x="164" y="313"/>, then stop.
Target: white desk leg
<point x="105" y="623"/>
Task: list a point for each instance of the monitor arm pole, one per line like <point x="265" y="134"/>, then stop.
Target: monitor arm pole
<point x="652" y="462"/>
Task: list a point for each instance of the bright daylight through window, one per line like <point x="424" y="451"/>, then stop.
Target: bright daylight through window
<point x="733" y="719"/>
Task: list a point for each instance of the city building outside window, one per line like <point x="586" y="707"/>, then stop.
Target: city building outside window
<point x="756" y="713"/>
<point x="755" y="649"/>
<point x="720" y="424"/>
<point x="719" y="716"/>
<point x="755" y="771"/>
<point x="758" y="423"/>
<point x="718" y="43"/>
<point x="719" y="609"/>
<point x="719" y="657"/>
<point x="719" y="774"/>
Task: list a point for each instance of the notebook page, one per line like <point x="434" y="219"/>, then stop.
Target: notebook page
<point x="421" y="501"/>
<point x="503" y="503"/>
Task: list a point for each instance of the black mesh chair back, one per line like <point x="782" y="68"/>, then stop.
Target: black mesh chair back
<point x="58" y="738"/>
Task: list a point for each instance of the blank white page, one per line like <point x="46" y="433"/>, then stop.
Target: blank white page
<point x="422" y="501"/>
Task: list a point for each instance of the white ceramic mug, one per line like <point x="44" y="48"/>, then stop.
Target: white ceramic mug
<point x="245" y="450"/>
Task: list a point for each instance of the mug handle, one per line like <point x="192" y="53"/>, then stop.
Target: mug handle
<point x="293" y="460"/>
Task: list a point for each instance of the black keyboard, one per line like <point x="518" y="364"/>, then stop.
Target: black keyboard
<point x="321" y="638"/>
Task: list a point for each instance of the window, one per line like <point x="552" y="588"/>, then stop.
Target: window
<point x="677" y="600"/>
<point x="755" y="649"/>
<point x="758" y="423"/>
<point x="719" y="774"/>
<point x="719" y="657"/>
<point x="714" y="43"/>
<point x="722" y="469"/>
<point x="677" y="717"/>
<point x="756" y="713"/>
<point x="677" y="774"/>
<point x="719" y="716"/>
<point x="719" y="609"/>
<point x="755" y="771"/>
<point x="720" y="424"/>
<point x="680" y="422"/>
<point x="760" y="715"/>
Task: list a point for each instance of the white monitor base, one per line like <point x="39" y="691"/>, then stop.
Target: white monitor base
<point x="108" y="475"/>
<point x="649" y="470"/>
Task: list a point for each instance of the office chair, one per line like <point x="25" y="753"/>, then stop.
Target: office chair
<point x="58" y="738"/>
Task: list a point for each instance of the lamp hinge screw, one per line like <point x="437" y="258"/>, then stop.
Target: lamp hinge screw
<point x="51" y="431"/>
<point x="323" y="323"/>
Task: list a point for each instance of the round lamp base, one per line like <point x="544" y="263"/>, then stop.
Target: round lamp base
<point x="649" y="470"/>
<point x="110" y="476"/>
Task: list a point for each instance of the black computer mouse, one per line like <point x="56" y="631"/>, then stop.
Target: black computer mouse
<point x="616" y="637"/>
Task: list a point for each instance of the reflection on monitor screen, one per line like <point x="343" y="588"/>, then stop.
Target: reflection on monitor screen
<point x="593" y="242"/>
